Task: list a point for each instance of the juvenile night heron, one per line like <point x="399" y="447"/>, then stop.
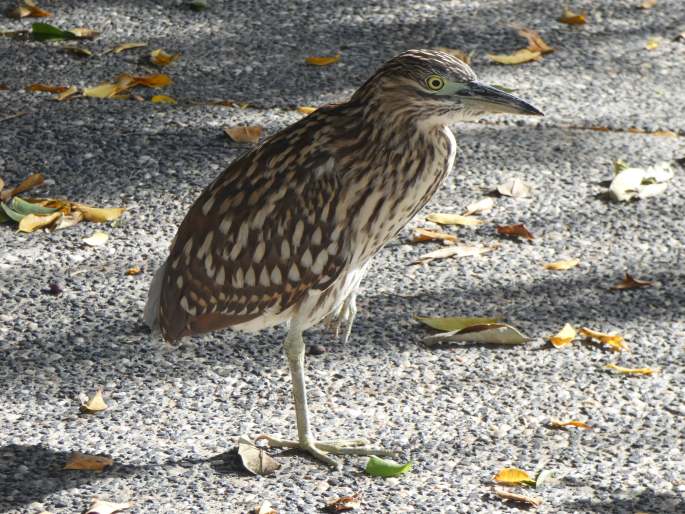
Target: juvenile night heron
<point x="285" y="234"/>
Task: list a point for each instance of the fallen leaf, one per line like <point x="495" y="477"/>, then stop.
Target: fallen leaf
<point x="23" y="207"/>
<point x="377" y="467"/>
<point x="533" y="501"/>
<point x="46" y="88"/>
<point x="454" y="219"/>
<point x="32" y="181"/>
<point x="10" y="213"/>
<point x="163" y="99"/>
<point x="85" y="462"/>
<point x="32" y="222"/>
<point x="480" y="207"/>
<point x="69" y="220"/>
<point x="153" y="81"/>
<point x="517" y="230"/>
<point x="459" y="54"/>
<point x="570" y="18"/>
<point x="104" y="90"/>
<point x="78" y="51"/>
<point x="105" y="507"/>
<point x="66" y="94"/>
<point x="519" y="57"/>
<point x="95" y="403"/>
<point x="133" y="270"/>
<point x="631" y="371"/>
<point x="490" y="333"/>
<point x="27" y="9"/>
<point x="305" y="109"/>
<point x="344" y="503"/>
<point x="647" y="4"/>
<point x="255" y="459"/>
<point x="422" y="235"/>
<point x="652" y="43"/>
<point x="614" y="341"/>
<point x="629" y="282"/>
<point x="634" y="182"/>
<point x="565" y="336"/>
<point x="562" y="265"/>
<point x="450" y="324"/>
<point x="97" y="239"/>
<point x="323" y="61"/>
<point x="98" y="214"/>
<point x="197" y="5"/>
<point x="555" y="423"/>
<point x="663" y="133"/>
<point x="127" y="46"/>
<point x="453" y="251"/>
<point x="535" y="41"/>
<point x="515" y="188"/>
<point x="84" y="33"/>
<point x="161" y="58"/>
<point x="513" y="476"/>
<point x="264" y="508"/>
<point x="244" y="134"/>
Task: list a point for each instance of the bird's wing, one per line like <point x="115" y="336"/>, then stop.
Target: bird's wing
<point x="260" y="236"/>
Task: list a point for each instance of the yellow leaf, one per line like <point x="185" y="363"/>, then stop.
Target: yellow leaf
<point x="161" y="58"/>
<point x="570" y="18"/>
<point x="518" y="57"/>
<point x="615" y="341"/>
<point x="454" y="219"/>
<point x="104" y="90"/>
<point x="652" y="43"/>
<point x="134" y="270"/>
<point x="555" y="423"/>
<point x="421" y="235"/>
<point x="629" y="282"/>
<point x="46" y="88"/>
<point x="533" y="501"/>
<point x="85" y="462"/>
<point x="513" y="476"/>
<point x="154" y="81"/>
<point x="245" y="134"/>
<point x="564" y="337"/>
<point x="306" y="110"/>
<point x="535" y="41"/>
<point x="459" y="54"/>
<point x="562" y="265"/>
<point x="83" y="33"/>
<point x="631" y="371"/>
<point x="663" y="133"/>
<point x="97" y="214"/>
<point x="95" y="403"/>
<point x="66" y="94"/>
<point x="127" y="46"/>
<point x="97" y="239"/>
<point x="33" y="222"/>
<point x="323" y="61"/>
<point x="163" y="99"/>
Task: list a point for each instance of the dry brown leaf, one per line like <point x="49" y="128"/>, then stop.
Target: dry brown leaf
<point x="454" y="219"/>
<point x="33" y="222"/>
<point x="46" y="88"/>
<point x="105" y="507"/>
<point x="95" y="403"/>
<point x="161" y="58"/>
<point x="631" y="371"/>
<point x="647" y="4"/>
<point x="133" y="270"/>
<point x="264" y="508"/>
<point x="422" y="235"/>
<point x="535" y="41"/>
<point x="28" y="9"/>
<point x="344" y="503"/>
<point x="517" y="230"/>
<point x="562" y="265"/>
<point x="459" y="54"/>
<point x="533" y="501"/>
<point x="32" y="181"/>
<point x="513" y="476"/>
<point x="85" y="462"/>
<point x="98" y="214"/>
<point x="480" y="207"/>
<point x="97" y="239"/>
<point x="305" y="109"/>
<point x="570" y="18"/>
<point x="126" y="46"/>
<point x="84" y="33"/>
<point x="565" y="336"/>
<point x="163" y="99"/>
<point x="66" y="94"/>
<point x="453" y="251"/>
<point x="323" y="61"/>
<point x="555" y="423"/>
<point x="630" y="282"/>
<point x="518" y="57"/>
<point x="614" y="341"/>
<point x="652" y="43"/>
<point x="244" y="134"/>
<point x="154" y="81"/>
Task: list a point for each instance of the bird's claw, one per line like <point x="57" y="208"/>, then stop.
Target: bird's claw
<point x="343" y="318"/>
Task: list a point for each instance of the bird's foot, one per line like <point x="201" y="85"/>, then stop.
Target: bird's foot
<point x="320" y="449"/>
<point x="343" y="319"/>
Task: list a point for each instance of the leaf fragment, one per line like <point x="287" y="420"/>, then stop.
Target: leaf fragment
<point x="480" y="207"/>
<point x="377" y="467"/>
<point x="555" y="423"/>
<point x="488" y="333"/>
<point x="614" y="341"/>
<point x="84" y="33"/>
<point x="323" y="61"/>
<point x="518" y="57"/>
<point x="652" y="43"/>
<point x="197" y="5"/>
<point x="453" y="251"/>
<point x="32" y="222"/>
<point x="244" y="134"/>
<point x="161" y="58"/>
<point x="568" y="17"/>
<point x="535" y="41"/>
<point x="518" y="230"/>
<point x="562" y="265"/>
<point x="454" y="219"/>
<point x="32" y="181"/>
<point x="86" y="462"/>
<point x="344" y="503"/>
<point x="127" y="46"/>
<point x="515" y="188"/>
<point x="95" y="403"/>
<point x="630" y="282"/>
<point x="46" y="88"/>
<point x="27" y="9"/>
<point x="533" y="501"/>
<point x="304" y="109"/>
<point x="648" y="4"/>
<point x="636" y="182"/>
<point x="105" y="507"/>
<point x="630" y="371"/>
<point x="66" y="94"/>
<point x="564" y="337"/>
<point x="78" y="51"/>
<point x="449" y="324"/>
<point x="98" y="214"/>
<point x="513" y="476"/>
<point x="255" y="459"/>
<point x="98" y="238"/>
<point x="459" y="54"/>
<point x="422" y="235"/>
<point x="163" y="99"/>
<point x="133" y="270"/>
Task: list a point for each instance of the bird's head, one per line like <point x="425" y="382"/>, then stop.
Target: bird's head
<point x="435" y="88"/>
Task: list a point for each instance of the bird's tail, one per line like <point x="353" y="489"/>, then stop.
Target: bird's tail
<point x="154" y="295"/>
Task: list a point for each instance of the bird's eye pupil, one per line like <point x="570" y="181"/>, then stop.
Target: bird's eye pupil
<point x="435" y="83"/>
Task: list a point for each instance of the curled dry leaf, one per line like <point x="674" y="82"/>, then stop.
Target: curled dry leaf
<point x="161" y="58"/>
<point x="565" y="336"/>
<point x="27" y="9"/>
<point x="515" y="188"/>
<point x="631" y="371"/>
<point x="489" y="333"/>
<point x="105" y="507"/>
<point x="306" y="109"/>
<point x="517" y="230"/>
<point x="533" y="501"/>
<point x="98" y="214"/>
<point x="163" y="99"/>
<point x="513" y="476"/>
<point x="480" y="207"/>
<point x="67" y="94"/>
<point x="568" y="17"/>
<point x="422" y="235"/>
<point x="459" y="54"/>
<point x="95" y="403"/>
<point x="453" y="251"/>
<point x="85" y="462"/>
<point x="450" y="324"/>
<point x="454" y="219"/>
<point x="46" y="88"/>
<point x="255" y="459"/>
<point x="614" y="341"/>
<point x="323" y="61"/>
<point x="555" y="423"/>
<point x="127" y="46"/>
<point x="124" y="82"/>
<point x="562" y="265"/>
<point x="98" y="238"/>
<point x="133" y="270"/>
<point x="344" y="503"/>
<point x="630" y="282"/>
<point x="32" y="181"/>
<point x="245" y="134"/>
<point x="32" y="222"/>
<point x="535" y="41"/>
<point x="84" y="33"/>
<point x="519" y="57"/>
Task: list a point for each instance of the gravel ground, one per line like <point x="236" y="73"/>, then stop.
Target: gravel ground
<point x="460" y="412"/>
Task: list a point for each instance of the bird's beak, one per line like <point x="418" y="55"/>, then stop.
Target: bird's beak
<point x="482" y="97"/>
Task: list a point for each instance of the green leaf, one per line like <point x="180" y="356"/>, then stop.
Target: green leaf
<point x="377" y="467"/>
<point x="197" y="5"/>
<point x="13" y="215"/>
<point x="46" y="32"/>
<point x="4" y="218"/>
<point x="24" y="207"/>
<point x="449" y="324"/>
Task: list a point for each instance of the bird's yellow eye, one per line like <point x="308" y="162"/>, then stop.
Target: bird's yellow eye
<point x="435" y="83"/>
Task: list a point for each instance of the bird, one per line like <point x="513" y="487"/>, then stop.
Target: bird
<point x="286" y="233"/>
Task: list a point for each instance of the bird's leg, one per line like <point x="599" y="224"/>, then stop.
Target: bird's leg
<point x="343" y="317"/>
<point x="294" y="350"/>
